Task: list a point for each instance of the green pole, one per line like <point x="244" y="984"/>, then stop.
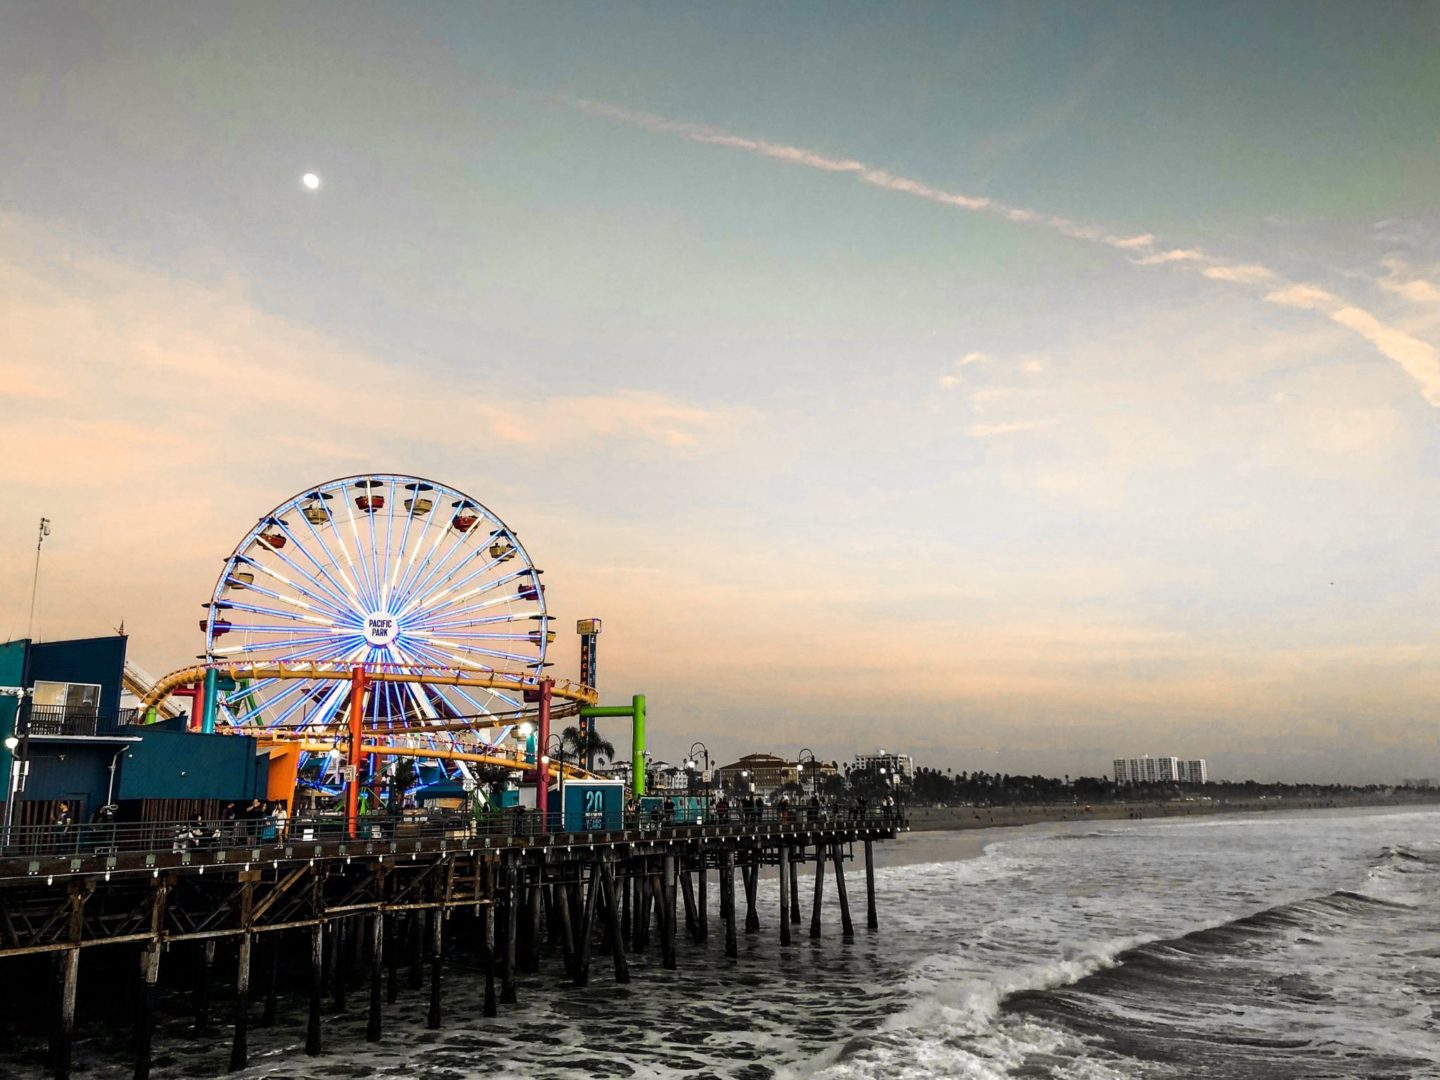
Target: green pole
<point x="212" y="691"/>
<point x="636" y="711"/>
<point x="637" y="744"/>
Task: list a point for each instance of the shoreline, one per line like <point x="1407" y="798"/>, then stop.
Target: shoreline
<point x="956" y="818"/>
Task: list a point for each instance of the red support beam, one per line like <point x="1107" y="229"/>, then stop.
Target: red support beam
<point x="352" y="780"/>
<point x="196" y="694"/>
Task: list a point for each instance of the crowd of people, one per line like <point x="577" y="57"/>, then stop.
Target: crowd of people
<point x="261" y="821"/>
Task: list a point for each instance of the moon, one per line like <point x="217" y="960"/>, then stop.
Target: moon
<point x="311" y="181"/>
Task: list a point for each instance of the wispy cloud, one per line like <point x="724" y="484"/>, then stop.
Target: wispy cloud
<point x="952" y="378"/>
<point x="1240" y="275"/>
<point x="1172" y="256"/>
<point x="1417" y="358"/>
<point x="990" y="431"/>
<point x="1406" y="283"/>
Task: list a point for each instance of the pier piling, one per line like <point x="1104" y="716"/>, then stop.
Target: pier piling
<point x="727" y="903"/>
<point x="667" y="913"/>
<point x="338" y="953"/>
<point x="377" y="960"/>
<point x="784" y="894"/>
<point x="437" y="941"/>
<point x="416" y="978"/>
<point x="795" y="859"/>
<point x="313" y="1042"/>
<point x="847" y="928"/>
<point x="392" y="959"/>
<point x="507" y="972"/>
<point x="819" y="890"/>
<point x="205" y="970"/>
<point x="617" y="939"/>
<point x="239" y="1043"/>
<point x="872" y="921"/>
<point x="704" y="900"/>
<point x="561" y="904"/>
<point x="587" y="925"/>
<point x="145" y="1019"/>
<point x="692" y="914"/>
<point x="272" y="977"/>
<point x="750" y="872"/>
<point x="64" y="1031"/>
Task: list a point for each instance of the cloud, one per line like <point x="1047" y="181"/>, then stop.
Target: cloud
<point x="1240" y="275"/>
<point x="990" y="431"/>
<point x="161" y="416"/>
<point x="1416" y="290"/>
<point x="1310" y="297"/>
<point x="1413" y="355"/>
<point x="1419" y="359"/>
<point x="1172" y="256"/>
<point x="1404" y="282"/>
<point x="973" y="358"/>
<point x="109" y="334"/>
<point x="949" y="382"/>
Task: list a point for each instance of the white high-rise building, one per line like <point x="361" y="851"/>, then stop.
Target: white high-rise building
<point x="1160" y="770"/>
<point x="901" y="765"/>
<point x="1194" y="771"/>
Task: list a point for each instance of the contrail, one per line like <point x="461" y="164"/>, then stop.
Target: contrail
<point x="1418" y="359"/>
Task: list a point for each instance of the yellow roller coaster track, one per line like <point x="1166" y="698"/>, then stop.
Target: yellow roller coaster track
<point x="429" y="676"/>
<point x="576" y="694"/>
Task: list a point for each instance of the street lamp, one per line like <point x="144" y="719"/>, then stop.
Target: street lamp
<point x="699" y="750"/>
<point x="800" y="768"/>
<point x="556" y="748"/>
<point x="19" y="766"/>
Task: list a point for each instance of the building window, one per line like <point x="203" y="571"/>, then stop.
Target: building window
<point x="73" y="698"/>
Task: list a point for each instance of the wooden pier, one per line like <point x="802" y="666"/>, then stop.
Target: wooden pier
<point x="353" y="912"/>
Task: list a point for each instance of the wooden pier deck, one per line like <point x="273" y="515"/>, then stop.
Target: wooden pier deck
<point x="350" y="909"/>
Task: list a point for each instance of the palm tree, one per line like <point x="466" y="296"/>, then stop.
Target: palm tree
<point x="586" y="746"/>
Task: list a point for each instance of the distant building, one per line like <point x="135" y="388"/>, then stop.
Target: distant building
<point x="1423" y="782"/>
<point x="1161" y="770"/>
<point x="901" y="765"/>
<point x="758" y="774"/>
<point x="1194" y="771"/>
<point x="663" y="778"/>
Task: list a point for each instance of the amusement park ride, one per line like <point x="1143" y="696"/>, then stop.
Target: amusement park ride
<point x="384" y="616"/>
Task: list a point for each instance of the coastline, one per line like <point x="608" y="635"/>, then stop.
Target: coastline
<point x="954" y="818"/>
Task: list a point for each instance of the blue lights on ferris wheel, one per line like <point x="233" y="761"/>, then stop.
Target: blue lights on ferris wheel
<point x="388" y="571"/>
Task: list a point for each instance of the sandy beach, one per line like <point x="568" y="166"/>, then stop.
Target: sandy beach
<point x="926" y="818"/>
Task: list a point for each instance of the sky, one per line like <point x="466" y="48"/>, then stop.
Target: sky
<point x="1016" y="385"/>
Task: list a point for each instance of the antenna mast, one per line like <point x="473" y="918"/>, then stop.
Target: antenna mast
<point x="35" y="583"/>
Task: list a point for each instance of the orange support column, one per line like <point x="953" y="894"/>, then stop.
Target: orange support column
<point x="542" y="760"/>
<point x="352" y="774"/>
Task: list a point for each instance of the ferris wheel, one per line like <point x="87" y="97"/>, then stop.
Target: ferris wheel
<point x="390" y="572"/>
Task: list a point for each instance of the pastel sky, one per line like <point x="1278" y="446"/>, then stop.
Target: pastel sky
<point x="1020" y="385"/>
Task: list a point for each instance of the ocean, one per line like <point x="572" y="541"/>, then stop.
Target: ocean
<point x="1282" y="945"/>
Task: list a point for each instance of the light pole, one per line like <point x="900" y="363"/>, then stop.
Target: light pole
<point x="800" y="768"/>
<point x="556" y="747"/>
<point x="697" y="751"/>
<point x="19" y="766"/>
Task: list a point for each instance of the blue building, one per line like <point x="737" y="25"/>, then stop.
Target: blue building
<point x="71" y="743"/>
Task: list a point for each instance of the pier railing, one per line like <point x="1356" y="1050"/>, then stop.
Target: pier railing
<point x="62" y="839"/>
